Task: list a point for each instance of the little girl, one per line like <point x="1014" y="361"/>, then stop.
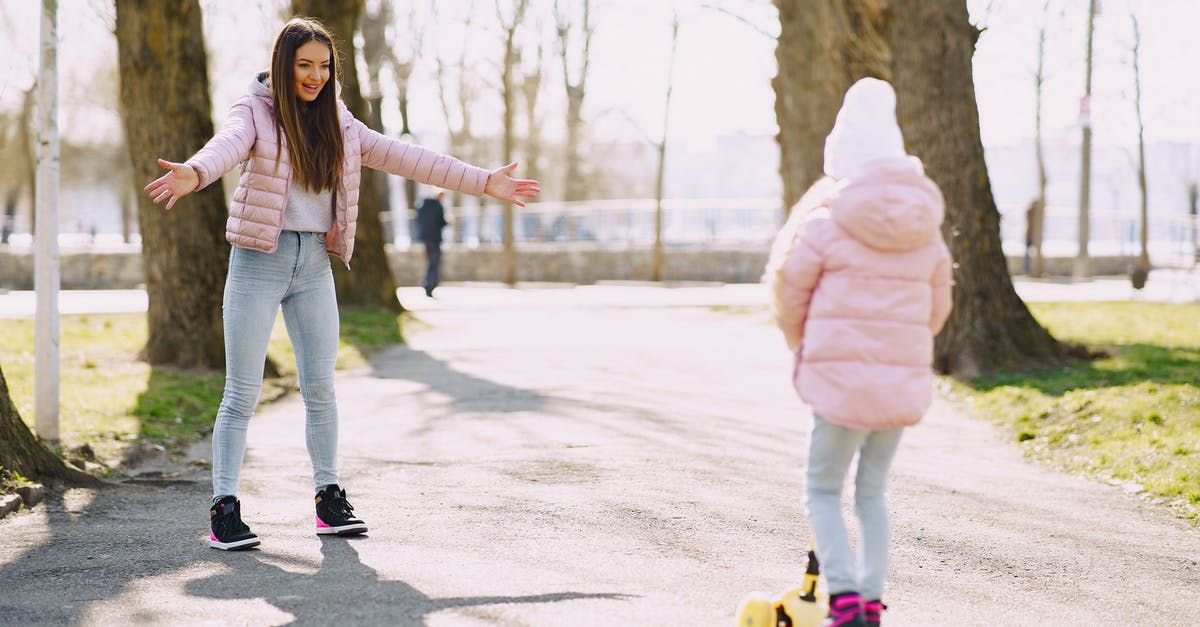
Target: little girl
<point x="861" y="280"/>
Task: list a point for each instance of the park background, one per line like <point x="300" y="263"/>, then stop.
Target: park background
<point x="483" y="390"/>
<point x="721" y="168"/>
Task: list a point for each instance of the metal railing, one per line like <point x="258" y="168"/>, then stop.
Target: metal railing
<point x="616" y="223"/>
<point x="728" y="222"/>
<point x="1172" y="239"/>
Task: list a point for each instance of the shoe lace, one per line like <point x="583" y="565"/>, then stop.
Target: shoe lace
<point x="229" y="520"/>
<point x="340" y="506"/>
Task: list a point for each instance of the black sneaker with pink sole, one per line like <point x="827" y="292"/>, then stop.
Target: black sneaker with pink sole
<point x="335" y="515"/>
<point x="226" y="531"/>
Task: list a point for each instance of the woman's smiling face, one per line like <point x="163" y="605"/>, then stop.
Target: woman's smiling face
<point x="311" y="70"/>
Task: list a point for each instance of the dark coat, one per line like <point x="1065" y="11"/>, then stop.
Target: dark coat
<point x="431" y="218"/>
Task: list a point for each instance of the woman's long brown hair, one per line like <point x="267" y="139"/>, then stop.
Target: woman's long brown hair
<point x="314" y="136"/>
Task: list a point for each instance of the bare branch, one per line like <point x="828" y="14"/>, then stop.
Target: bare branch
<point x="741" y="18"/>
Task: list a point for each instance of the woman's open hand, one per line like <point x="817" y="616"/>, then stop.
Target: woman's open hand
<point x="179" y="181"/>
<point x="500" y="186"/>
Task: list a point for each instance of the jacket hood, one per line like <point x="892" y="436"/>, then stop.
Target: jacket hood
<point x="889" y="205"/>
<point x="258" y="86"/>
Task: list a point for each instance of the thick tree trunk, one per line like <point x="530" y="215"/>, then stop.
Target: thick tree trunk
<point x="166" y="112"/>
<point x="824" y="46"/>
<point x="22" y="452"/>
<point x="990" y="328"/>
<point x="371" y="284"/>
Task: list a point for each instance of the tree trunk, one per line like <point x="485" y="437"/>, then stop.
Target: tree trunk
<point x="22" y="452"/>
<point x="508" y="92"/>
<point x="373" y="27"/>
<point x="371" y="284"/>
<point x="166" y="112"/>
<point x="1039" y="78"/>
<point x="531" y="86"/>
<point x="990" y="328"/>
<point x="1141" y="271"/>
<point x="656" y="265"/>
<point x="460" y="133"/>
<point x="8" y="220"/>
<point x="823" y="48"/>
<point x="25" y="135"/>
<point x="925" y="50"/>
<point x="574" y="185"/>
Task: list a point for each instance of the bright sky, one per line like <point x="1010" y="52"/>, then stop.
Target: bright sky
<point x="1006" y="59"/>
<point x="723" y="68"/>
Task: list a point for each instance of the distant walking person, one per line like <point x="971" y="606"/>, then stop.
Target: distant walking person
<point x="861" y="281"/>
<point x="431" y="219"/>
<point x="301" y="153"/>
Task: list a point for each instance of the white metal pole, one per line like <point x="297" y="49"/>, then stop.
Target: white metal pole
<point x="46" y="279"/>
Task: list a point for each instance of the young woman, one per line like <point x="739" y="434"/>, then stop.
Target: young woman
<point x="297" y="202"/>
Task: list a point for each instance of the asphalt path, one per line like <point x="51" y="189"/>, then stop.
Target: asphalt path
<point x="616" y="455"/>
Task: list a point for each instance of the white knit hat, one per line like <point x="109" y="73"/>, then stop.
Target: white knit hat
<point x="865" y="130"/>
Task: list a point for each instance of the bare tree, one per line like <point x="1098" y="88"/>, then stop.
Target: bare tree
<point x="17" y="152"/>
<point x="574" y="183"/>
<point x="1037" y="218"/>
<point x="925" y="50"/>
<point x="1141" y="271"/>
<point x="166" y="112"/>
<point x="371" y="284"/>
<point x="458" y="101"/>
<point x="657" y="264"/>
<point x="508" y="91"/>
<point x="531" y="88"/>
<point x="375" y="50"/>
<point x="382" y="38"/>
<point x="1082" y="261"/>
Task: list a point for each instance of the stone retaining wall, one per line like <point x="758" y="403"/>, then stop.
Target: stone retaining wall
<point x="122" y="269"/>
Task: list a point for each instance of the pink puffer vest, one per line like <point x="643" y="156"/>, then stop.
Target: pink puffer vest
<point x="256" y="212"/>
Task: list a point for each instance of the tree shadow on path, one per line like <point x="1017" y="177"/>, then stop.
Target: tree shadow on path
<point x="467" y="392"/>
<point x="345" y="590"/>
<point x="95" y="548"/>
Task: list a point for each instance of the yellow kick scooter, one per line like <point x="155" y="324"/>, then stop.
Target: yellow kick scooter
<point x="798" y="607"/>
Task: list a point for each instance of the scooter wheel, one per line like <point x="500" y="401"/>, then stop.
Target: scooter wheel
<point x="757" y="611"/>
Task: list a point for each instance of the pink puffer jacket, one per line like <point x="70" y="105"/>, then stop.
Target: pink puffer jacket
<point x="256" y="213"/>
<point x="861" y="294"/>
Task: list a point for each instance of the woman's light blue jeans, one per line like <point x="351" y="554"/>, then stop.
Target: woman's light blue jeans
<point x="297" y="277"/>
<point x="830" y="452"/>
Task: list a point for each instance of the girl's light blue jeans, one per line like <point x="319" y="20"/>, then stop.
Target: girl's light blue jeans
<point x="297" y="277"/>
<point x="831" y="450"/>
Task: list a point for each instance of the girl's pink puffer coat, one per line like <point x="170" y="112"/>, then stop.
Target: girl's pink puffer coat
<point x="863" y="290"/>
<point x="256" y="212"/>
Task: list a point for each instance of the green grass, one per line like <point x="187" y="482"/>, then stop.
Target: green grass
<point x="108" y="397"/>
<point x="1131" y="418"/>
